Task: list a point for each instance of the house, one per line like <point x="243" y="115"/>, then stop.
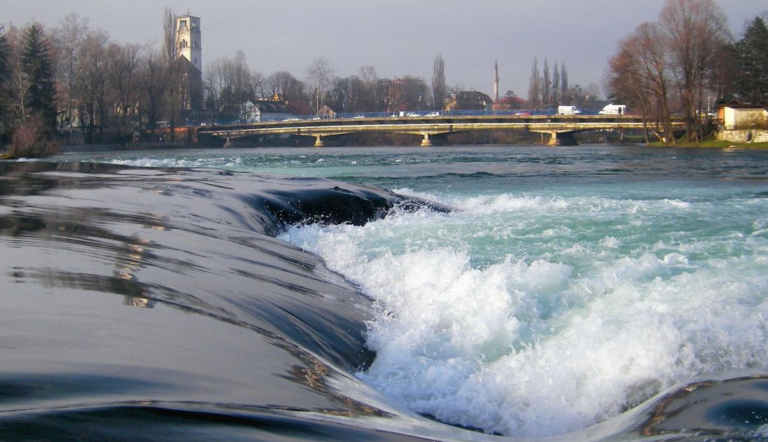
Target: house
<point x="741" y="122"/>
<point x="510" y="103"/>
<point x="734" y="114"/>
<point x="327" y="112"/>
<point x="265" y="110"/>
<point x="468" y="100"/>
<point x="741" y="118"/>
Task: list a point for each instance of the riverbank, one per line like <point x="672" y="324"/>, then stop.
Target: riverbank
<point x="714" y="144"/>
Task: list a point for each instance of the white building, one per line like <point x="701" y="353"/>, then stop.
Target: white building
<point x="263" y="111"/>
<point x="736" y="118"/>
<point x="188" y="40"/>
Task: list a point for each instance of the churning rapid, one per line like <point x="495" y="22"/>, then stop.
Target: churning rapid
<point x="586" y="293"/>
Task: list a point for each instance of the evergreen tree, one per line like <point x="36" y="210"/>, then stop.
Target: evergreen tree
<point x="546" y="90"/>
<point x="556" y="86"/>
<point x="438" y="82"/>
<point x="564" y="83"/>
<point x="534" y="89"/>
<point x="752" y="57"/>
<point x="37" y="66"/>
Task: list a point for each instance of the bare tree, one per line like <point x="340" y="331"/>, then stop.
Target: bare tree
<point x="319" y="78"/>
<point x="91" y="86"/>
<point x="215" y="80"/>
<point x="5" y="77"/>
<point x="438" y="82"/>
<point x="67" y="38"/>
<point x="259" y="85"/>
<point x="18" y="84"/>
<point x="370" y="96"/>
<point x="123" y="75"/>
<point x="153" y="81"/>
<point x="695" y="30"/>
<point x="230" y="84"/>
<point x="652" y="50"/>
<point x="286" y="86"/>
<point x="174" y="85"/>
<point x="626" y="79"/>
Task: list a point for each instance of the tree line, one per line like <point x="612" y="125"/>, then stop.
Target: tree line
<point x="75" y="78"/>
<point x="73" y="75"/>
<point x="679" y="64"/>
<point x="229" y="82"/>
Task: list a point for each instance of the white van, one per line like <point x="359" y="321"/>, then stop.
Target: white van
<point x="568" y="110"/>
<point x="614" y="109"/>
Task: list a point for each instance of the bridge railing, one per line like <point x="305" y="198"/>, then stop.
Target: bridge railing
<point x="435" y="113"/>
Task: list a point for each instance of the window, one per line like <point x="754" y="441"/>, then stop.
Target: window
<point x="183" y="24"/>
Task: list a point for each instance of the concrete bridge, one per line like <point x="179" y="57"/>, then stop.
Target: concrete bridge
<point x="435" y="130"/>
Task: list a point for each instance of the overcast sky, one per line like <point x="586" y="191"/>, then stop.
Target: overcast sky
<point x="397" y="37"/>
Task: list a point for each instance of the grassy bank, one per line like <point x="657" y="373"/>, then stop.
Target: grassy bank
<point x="712" y="143"/>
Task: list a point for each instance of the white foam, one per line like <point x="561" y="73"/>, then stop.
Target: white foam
<point x="535" y="316"/>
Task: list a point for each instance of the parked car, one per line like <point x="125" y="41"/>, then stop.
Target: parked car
<point x="433" y="114"/>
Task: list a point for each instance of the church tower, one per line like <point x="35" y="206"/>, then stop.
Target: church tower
<point x="496" y="82"/>
<point x="188" y="41"/>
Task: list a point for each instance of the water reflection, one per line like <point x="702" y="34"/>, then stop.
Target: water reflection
<point x="736" y="408"/>
<point x="81" y="233"/>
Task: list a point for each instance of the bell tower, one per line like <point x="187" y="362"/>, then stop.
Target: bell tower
<point x="188" y="40"/>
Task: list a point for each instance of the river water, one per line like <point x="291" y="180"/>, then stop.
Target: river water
<point x="567" y="287"/>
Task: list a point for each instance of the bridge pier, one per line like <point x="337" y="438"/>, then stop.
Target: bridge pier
<point x="319" y="141"/>
<point x="228" y="142"/>
<point x="561" y="139"/>
<point x="434" y="140"/>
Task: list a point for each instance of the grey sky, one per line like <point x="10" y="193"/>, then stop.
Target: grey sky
<point x="397" y="37"/>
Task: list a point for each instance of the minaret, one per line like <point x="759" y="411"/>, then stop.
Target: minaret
<point x="496" y="82"/>
<point x="188" y="41"/>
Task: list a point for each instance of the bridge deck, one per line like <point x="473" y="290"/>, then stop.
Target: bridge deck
<point x="431" y="126"/>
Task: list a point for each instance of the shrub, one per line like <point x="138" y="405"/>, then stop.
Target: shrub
<point x="32" y="141"/>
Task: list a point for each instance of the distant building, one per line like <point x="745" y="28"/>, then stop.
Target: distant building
<point x="189" y="40"/>
<point x="468" y="100"/>
<point x="327" y="112"/>
<point x="510" y="103"/>
<point x="192" y="80"/>
<point x="496" y="82"/>
<point x="266" y="110"/>
<point x="739" y="118"/>
<point x="741" y="122"/>
<point x="189" y="59"/>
